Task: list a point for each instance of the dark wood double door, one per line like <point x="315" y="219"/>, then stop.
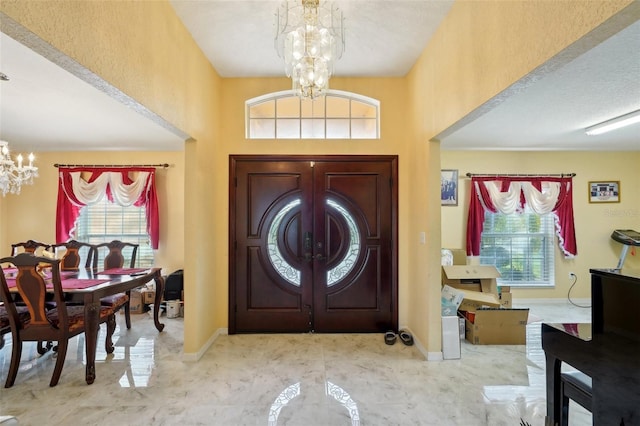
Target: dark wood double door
<point x="313" y="244"/>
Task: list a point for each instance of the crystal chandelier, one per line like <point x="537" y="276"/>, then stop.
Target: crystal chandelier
<point x="12" y="177"/>
<point x="310" y="38"/>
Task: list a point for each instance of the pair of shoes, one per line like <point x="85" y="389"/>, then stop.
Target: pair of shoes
<point x="390" y="337"/>
<point x="406" y="337"/>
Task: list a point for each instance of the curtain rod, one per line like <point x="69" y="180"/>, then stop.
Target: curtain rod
<point x="164" y="165"/>
<point x="520" y="175"/>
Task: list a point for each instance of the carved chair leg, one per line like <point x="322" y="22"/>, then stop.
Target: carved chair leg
<point x="62" y="353"/>
<point x="16" y="354"/>
<point x="111" y="328"/>
<point x="127" y="312"/>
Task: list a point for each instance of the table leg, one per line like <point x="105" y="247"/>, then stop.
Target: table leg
<point x="156" y="305"/>
<point x="91" y="317"/>
<point x="554" y="405"/>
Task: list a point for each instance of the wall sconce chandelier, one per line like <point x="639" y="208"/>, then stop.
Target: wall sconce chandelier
<point x="12" y="177"/>
<point x="310" y="38"/>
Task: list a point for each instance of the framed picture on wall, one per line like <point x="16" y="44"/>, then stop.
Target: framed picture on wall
<point x="449" y="187"/>
<point x="604" y="192"/>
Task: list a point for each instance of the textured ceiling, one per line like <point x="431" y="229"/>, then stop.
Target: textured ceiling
<point x="50" y="104"/>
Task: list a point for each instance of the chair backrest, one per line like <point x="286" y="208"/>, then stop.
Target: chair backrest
<point x="74" y="253"/>
<point x="115" y="258"/>
<point x="32" y="288"/>
<point x="29" y="246"/>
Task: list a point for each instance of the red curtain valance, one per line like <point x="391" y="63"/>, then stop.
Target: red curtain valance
<point x="509" y="194"/>
<point x="81" y="186"/>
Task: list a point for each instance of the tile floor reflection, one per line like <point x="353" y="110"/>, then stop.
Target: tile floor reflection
<point x="293" y="379"/>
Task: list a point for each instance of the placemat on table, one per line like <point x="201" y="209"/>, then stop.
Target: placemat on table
<point x="122" y="271"/>
<point x="78" y="283"/>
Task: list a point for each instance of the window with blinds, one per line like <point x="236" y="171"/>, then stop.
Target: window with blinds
<point x="521" y="247"/>
<point x="105" y="221"/>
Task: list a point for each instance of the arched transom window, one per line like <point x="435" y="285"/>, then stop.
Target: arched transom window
<point x="338" y="115"/>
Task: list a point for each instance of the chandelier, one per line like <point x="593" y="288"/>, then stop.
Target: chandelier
<point x="310" y="38"/>
<point x="12" y="177"/>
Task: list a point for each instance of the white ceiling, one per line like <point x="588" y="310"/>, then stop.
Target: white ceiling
<point x="50" y="104"/>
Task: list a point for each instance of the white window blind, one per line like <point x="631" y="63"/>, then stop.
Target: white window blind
<point x="520" y="246"/>
<point x="105" y="221"/>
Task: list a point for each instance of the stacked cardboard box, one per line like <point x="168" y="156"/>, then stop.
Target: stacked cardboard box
<point x="139" y="298"/>
<point x="489" y="318"/>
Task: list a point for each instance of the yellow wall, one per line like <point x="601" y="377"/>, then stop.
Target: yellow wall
<point x="481" y="48"/>
<point x="594" y="223"/>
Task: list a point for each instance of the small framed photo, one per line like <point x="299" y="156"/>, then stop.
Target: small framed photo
<point x="604" y="192"/>
<point x="449" y="187"/>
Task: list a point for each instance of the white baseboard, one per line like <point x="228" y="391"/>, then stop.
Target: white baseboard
<point x="195" y="356"/>
<point x="429" y="356"/>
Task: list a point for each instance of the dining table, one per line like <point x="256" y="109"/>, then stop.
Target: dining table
<point x="89" y="286"/>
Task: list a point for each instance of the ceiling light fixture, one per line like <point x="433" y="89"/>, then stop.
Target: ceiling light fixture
<point x="614" y="123"/>
<point x="12" y="177"/>
<point x="310" y="38"/>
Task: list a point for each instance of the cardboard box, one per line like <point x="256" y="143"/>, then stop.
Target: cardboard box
<point x="450" y="337"/>
<point x="450" y="300"/>
<point x="497" y="327"/>
<point x="148" y="296"/>
<point x="506" y="299"/>
<point x="474" y="300"/>
<point x="471" y="277"/>
<point x="135" y="302"/>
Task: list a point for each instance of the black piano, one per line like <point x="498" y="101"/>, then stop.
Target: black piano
<point x="608" y="350"/>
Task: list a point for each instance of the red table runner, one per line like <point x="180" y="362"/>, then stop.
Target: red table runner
<point x="70" y="283"/>
<point x="122" y="271"/>
<point x="78" y="283"/>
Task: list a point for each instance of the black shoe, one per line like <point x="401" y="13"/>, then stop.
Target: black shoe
<point x="406" y="337"/>
<point x="390" y="337"/>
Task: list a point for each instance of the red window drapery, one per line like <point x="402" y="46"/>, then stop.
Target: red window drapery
<point x="509" y="194"/>
<point x="81" y="186"/>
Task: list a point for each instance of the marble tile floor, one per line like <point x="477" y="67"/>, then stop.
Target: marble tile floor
<point x="291" y="379"/>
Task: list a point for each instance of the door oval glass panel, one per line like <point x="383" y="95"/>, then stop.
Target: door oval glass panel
<point x="279" y="263"/>
<point x="348" y="262"/>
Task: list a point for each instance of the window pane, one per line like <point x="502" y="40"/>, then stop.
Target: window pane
<point x="288" y="107"/>
<point x="263" y="128"/>
<point x="337" y="129"/>
<point x="337" y="107"/>
<point x="362" y="110"/>
<point x="288" y="128"/>
<point x="263" y="110"/>
<point x="313" y="129"/>
<point x="313" y="108"/>
<point x="363" y="129"/>
<point x="264" y="117"/>
<point x="105" y="221"/>
<point x="520" y="246"/>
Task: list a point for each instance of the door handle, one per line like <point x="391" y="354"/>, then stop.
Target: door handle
<point x="319" y="256"/>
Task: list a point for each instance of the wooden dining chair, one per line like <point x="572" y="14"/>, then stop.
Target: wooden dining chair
<point x="115" y="258"/>
<point x="5" y="326"/>
<point x="59" y="324"/>
<point x="116" y="251"/>
<point x="29" y="246"/>
<point x="75" y="252"/>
